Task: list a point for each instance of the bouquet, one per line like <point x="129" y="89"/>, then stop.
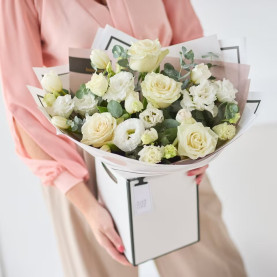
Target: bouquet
<point x="141" y="107"/>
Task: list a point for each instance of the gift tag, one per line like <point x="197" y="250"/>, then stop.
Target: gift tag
<point x="142" y="198"/>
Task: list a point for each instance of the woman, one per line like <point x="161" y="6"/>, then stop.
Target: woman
<point x="39" y="32"/>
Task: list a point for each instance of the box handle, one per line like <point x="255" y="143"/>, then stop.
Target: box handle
<point x="109" y="173"/>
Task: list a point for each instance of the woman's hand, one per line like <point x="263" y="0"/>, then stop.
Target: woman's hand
<point x="99" y="220"/>
<point x="199" y="173"/>
<point x="102" y="226"/>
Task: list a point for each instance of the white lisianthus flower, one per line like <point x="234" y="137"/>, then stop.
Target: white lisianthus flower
<point x="204" y="96"/>
<point x="99" y="58"/>
<point x="151" y="154"/>
<point x="51" y="82"/>
<point x="146" y="55"/>
<point x="225" y="131"/>
<point x="98" y="129"/>
<point x="200" y="73"/>
<point x="85" y="105"/>
<point x="170" y="151"/>
<point x="195" y="141"/>
<point x="161" y="91"/>
<point x="151" y="116"/>
<point x="98" y="84"/>
<point x="149" y="136"/>
<point x="186" y="102"/>
<point x="225" y="91"/>
<point x="132" y="103"/>
<point x="182" y="115"/>
<point x="121" y="84"/>
<point x="63" y="106"/>
<point x="60" y="122"/>
<point x="128" y="134"/>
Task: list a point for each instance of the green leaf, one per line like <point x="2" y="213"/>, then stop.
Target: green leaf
<point x="115" y="109"/>
<point x="199" y="116"/>
<point x="76" y="124"/>
<point x="185" y="84"/>
<point x="167" y="123"/>
<point x="231" y="110"/>
<point x="190" y="55"/>
<point x="117" y="51"/>
<point x="212" y="78"/>
<point x="145" y="102"/>
<point x="184" y="50"/>
<point x="167" y="136"/>
<point x="123" y="62"/>
<point x="102" y="109"/>
<point x="170" y="71"/>
<point x="82" y="91"/>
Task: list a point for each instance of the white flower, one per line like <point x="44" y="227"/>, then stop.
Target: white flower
<point x="195" y="140"/>
<point x="186" y="102"/>
<point x="151" y="116"/>
<point x="151" y="154"/>
<point x="132" y="103"/>
<point x="120" y="85"/>
<point x="99" y="58"/>
<point x="200" y="73"/>
<point x="60" y="122"/>
<point x="98" y="129"/>
<point x="128" y="134"/>
<point x="63" y="106"/>
<point x="98" y="84"/>
<point x="225" y="131"/>
<point x="149" y="136"/>
<point x="51" y="82"/>
<point x="204" y="96"/>
<point x="85" y="105"/>
<point x="160" y="90"/>
<point x="225" y="91"/>
<point x="183" y="114"/>
<point x="146" y="55"/>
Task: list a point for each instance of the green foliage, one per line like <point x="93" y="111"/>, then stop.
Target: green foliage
<point x="167" y="131"/>
<point x="226" y="111"/>
<point x="119" y="52"/>
<point x="102" y="109"/>
<point x="171" y="72"/>
<point x="210" y="55"/>
<point x="115" y="109"/>
<point x="76" y="124"/>
<point x="82" y="91"/>
<point x="123" y="62"/>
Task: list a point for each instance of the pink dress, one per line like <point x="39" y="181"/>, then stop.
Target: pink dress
<point x="39" y="33"/>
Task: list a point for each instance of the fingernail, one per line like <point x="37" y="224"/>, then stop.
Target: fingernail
<point x="121" y="248"/>
<point x="189" y="174"/>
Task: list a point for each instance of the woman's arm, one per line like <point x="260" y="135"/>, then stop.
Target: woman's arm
<point x="80" y="196"/>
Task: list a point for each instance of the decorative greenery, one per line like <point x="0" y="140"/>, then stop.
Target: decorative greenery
<point x="76" y="124"/>
<point x="82" y="91"/>
<point x="167" y="131"/>
<point x="115" y="109"/>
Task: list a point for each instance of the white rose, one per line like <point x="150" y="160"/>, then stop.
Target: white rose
<point x="128" y="134"/>
<point x="160" y="90"/>
<point x="151" y="154"/>
<point x="146" y="55"/>
<point x="120" y="85"/>
<point x="225" y="131"/>
<point x="60" y="122"/>
<point x="183" y="114"/>
<point x="51" y="82"/>
<point x="85" y="105"/>
<point x="98" y="129"/>
<point x="195" y="140"/>
<point x="200" y="73"/>
<point x="99" y="58"/>
<point x="132" y="103"/>
<point x="186" y="102"/>
<point x="204" y="96"/>
<point x="98" y="84"/>
<point x="149" y="136"/>
<point x="225" y="91"/>
<point x="63" y="106"/>
<point x="151" y="116"/>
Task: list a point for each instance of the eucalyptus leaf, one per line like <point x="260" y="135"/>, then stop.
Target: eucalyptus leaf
<point x="185" y="84"/>
<point x="102" y="109"/>
<point x="117" y="51"/>
<point x="123" y="62"/>
<point x="115" y="109"/>
<point x="190" y="55"/>
<point x="184" y="50"/>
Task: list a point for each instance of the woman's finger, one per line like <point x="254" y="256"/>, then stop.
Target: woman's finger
<point x="198" y="171"/>
<point x="199" y="179"/>
<point x="115" y="239"/>
<point x="106" y="243"/>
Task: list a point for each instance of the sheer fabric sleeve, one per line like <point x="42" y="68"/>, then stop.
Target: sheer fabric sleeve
<point x="20" y="50"/>
<point x="184" y="21"/>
